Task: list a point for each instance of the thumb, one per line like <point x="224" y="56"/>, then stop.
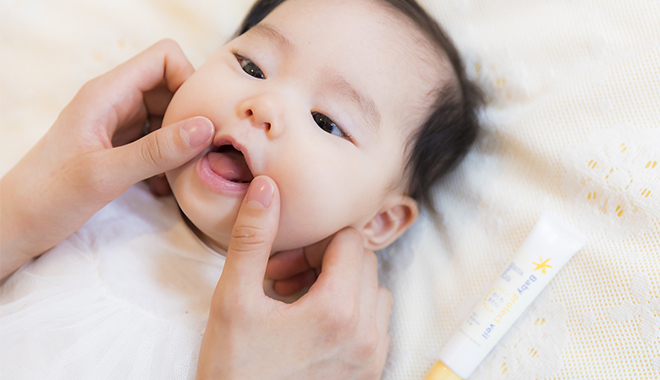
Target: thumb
<point x="252" y="239"/>
<point x="162" y="150"/>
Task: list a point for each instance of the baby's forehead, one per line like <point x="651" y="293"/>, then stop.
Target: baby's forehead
<point x="376" y="48"/>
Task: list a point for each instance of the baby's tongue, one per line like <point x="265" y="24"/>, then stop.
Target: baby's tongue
<point x="230" y="164"/>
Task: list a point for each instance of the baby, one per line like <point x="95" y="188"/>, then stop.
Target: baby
<point x="354" y="109"/>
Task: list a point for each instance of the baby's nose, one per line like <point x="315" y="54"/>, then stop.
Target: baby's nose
<point x="249" y="114"/>
<point x="262" y="112"/>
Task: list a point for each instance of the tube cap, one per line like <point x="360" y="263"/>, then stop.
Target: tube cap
<point x="441" y="372"/>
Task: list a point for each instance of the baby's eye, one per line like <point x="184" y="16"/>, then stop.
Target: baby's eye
<point x="328" y="125"/>
<point x="250" y="67"/>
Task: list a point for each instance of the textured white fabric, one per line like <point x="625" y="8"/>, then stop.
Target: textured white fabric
<point x="571" y="125"/>
<point x="125" y="297"/>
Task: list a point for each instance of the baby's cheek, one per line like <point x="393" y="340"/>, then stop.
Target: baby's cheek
<point x="297" y="220"/>
<point x="309" y="218"/>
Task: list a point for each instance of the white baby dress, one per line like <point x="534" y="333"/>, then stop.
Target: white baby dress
<point x="125" y="297"/>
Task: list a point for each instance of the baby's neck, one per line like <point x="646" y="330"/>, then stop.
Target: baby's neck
<point x="202" y="237"/>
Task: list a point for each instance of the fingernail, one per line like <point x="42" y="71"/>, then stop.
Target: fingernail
<point x="260" y="193"/>
<point x="196" y="131"/>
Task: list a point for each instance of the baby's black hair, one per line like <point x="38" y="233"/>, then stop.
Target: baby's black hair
<point x="445" y="136"/>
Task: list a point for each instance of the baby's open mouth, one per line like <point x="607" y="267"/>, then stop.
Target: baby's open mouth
<point x="230" y="164"/>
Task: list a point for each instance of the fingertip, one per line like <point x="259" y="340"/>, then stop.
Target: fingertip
<point x="197" y="132"/>
<point x="347" y="239"/>
<point x="251" y="240"/>
<point x="352" y="234"/>
<point x="160" y="151"/>
<point x="260" y="193"/>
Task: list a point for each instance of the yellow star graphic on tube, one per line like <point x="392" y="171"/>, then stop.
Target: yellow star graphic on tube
<point x="542" y="266"/>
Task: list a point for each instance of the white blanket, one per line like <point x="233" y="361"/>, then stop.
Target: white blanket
<point x="571" y="125"/>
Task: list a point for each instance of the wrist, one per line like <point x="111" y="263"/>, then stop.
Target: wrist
<point x="18" y="240"/>
<point x="13" y="231"/>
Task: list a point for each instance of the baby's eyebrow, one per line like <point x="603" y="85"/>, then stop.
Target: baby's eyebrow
<point x="271" y="33"/>
<point x="365" y="104"/>
<point x="367" y="107"/>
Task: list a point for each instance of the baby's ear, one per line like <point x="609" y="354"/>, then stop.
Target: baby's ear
<point x="397" y="214"/>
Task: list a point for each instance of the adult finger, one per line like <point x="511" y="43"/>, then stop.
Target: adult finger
<point x="160" y="151"/>
<point x="119" y="95"/>
<point x="286" y="264"/>
<point x="163" y="60"/>
<point x="295" y="283"/>
<point x="157" y="99"/>
<point x="314" y="253"/>
<point x="369" y="287"/>
<point x="341" y="268"/>
<point x="384" y="311"/>
<point x="252" y="239"/>
<point x="129" y="133"/>
<point x="151" y="111"/>
<point x="367" y="331"/>
<point x="159" y="186"/>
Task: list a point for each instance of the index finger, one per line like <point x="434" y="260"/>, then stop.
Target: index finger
<point x="285" y="264"/>
<point x="251" y="240"/>
<point x="163" y="60"/>
<point x="119" y="93"/>
<point x="341" y="269"/>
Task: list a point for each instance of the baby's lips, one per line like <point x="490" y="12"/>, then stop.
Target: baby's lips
<point x="227" y="143"/>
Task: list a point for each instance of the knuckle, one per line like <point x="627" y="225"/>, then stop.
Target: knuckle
<point x="153" y="150"/>
<point x="341" y="320"/>
<point x="366" y="347"/>
<point x="247" y="238"/>
<point x="167" y="43"/>
<point x="90" y="89"/>
<point x="230" y="309"/>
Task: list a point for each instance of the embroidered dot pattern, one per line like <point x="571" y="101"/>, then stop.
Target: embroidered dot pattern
<point x="572" y="125"/>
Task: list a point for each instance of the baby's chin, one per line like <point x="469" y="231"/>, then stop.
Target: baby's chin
<point x="212" y="217"/>
<point x="220" y="240"/>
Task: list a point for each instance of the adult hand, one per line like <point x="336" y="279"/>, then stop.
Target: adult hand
<point x="337" y="330"/>
<point x="296" y="269"/>
<point x="89" y="156"/>
<point x="291" y="271"/>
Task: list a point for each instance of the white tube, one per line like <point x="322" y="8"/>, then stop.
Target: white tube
<point x="545" y="251"/>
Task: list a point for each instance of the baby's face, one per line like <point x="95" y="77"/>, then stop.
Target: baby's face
<point x="322" y="97"/>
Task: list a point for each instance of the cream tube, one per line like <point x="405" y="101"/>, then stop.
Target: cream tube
<point x="545" y="251"/>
